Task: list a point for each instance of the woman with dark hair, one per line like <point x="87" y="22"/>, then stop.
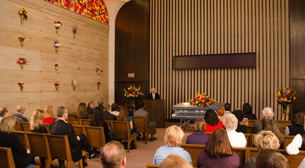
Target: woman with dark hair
<point x="297" y="126"/>
<point x="218" y="152"/>
<point x="240" y="117"/>
<point x="212" y="121"/>
<point x="99" y="121"/>
<point x="269" y="125"/>
<point x="82" y="111"/>
<point x="124" y="116"/>
<point x="248" y="112"/>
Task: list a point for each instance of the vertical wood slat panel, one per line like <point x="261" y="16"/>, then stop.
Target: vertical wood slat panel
<point x="196" y="27"/>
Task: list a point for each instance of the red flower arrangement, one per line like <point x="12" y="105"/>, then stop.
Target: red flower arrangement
<point x="21" y="85"/>
<point x="202" y="100"/>
<point x="21" y="60"/>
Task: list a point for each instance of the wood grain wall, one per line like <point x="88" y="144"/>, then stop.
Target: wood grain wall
<point x="197" y="27"/>
<point x="77" y="57"/>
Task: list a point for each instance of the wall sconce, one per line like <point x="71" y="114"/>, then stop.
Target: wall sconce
<point x="98" y="70"/>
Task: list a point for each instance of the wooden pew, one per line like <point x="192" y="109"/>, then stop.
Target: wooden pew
<point x="95" y="136"/>
<point x="18" y="126"/>
<point x="142" y="126"/>
<point x="78" y="129"/>
<point x="194" y="151"/>
<point x="85" y="122"/>
<point x="60" y="149"/>
<point x="109" y="123"/>
<point x="122" y="130"/>
<point x="73" y="121"/>
<point x="72" y="115"/>
<point x="90" y="116"/>
<point x="150" y="165"/>
<point x="47" y="127"/>
<point x="23" y="138"/>
<point x="250" y="129"/>
<point x="251" y="122"/>
<point x="6" y="158"/>
<point x="295" y="160"/>
<point x="287" y="140"/>
<point x="25" y="126"/>
<point x="40" y="147"/>
<point x="284" y="125"/>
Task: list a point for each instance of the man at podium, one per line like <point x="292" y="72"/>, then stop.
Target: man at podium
<point x="153" y="94"/>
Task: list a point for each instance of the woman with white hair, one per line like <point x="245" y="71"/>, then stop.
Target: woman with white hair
<point x="237" y="139"/>
<point x="173" y="139"/>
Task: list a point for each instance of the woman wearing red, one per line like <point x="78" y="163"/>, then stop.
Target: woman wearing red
<point x="212" y="121"/>
<point x="48" y="115"/>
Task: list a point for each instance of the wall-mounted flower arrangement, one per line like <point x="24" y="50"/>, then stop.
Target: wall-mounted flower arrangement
<point x="21" y="61"/>
<point x="23" y="14"/>
<point x="56" y="45"/>
<point x="57" y="25"/>
<point x="21" y="85"/>
<point x="21" y="39"/>
<point x="74" y="83"/>
<point x="56" y="66"/>
<point x="56" y="85"/>
<point x="74" y="30"/>
<point x="98" y="84"/>
<point x="98" y="70"/>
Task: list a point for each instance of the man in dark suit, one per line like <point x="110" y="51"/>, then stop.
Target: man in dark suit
<point x="153" y="94"/>
<point x="90" y="107"/>
<point x="77" y="143"/>
<point x="107" y="114"/>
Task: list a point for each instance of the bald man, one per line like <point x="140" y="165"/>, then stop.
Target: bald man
<point x="19" y="114"/>
<point x="267" y="113"/>
<point x="113" y="155"/>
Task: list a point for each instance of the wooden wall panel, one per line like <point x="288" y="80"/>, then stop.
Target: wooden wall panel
<point x="198" y="27"/>
<point x="77" y="57"/>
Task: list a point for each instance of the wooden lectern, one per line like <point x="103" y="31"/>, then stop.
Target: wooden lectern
<point x="156" y="111"/>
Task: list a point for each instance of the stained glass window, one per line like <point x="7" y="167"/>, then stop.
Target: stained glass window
<point x="53" y="1"/>
<point x="67" y="4"/>
<point x="103" y="16"/>
<point x="94" y="9"/>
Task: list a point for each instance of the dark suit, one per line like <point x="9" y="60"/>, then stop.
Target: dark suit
<point x="258" y="126"/>
<point x="60" y="127"/>
<point x="149" y="96"/>
<point x="109" y="116"/>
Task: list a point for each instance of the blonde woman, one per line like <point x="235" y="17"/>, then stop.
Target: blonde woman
<point x="237" y="139"/>
<point x="22" y="156"/>
<point x="173" y="139"/>
<point x="175" y="161"/>
<point x="48" y="115"/>
<point x="82" y="111"/>
<point x="36" y="120"/>
<point x="263" y="140"/>
<point x="198" y="137"/>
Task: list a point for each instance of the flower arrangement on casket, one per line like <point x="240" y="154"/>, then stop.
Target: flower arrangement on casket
<point x="202" y="100"/>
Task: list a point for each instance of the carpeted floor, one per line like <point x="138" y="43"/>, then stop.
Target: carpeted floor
<point x="136" y="158"/>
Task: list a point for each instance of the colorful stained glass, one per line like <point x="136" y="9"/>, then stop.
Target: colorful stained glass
<point x="92" y="9"/>
<point x="53" y="1"/>
<point x="80" y="6"/>
<point x="103" y="15"/>
<point x="67" y="4"/>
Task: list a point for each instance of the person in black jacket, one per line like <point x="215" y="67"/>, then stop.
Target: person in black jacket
<point x="99" y="121"/>
<point x="248" y="112"/>
<point x="107" y="114"/>
<point x="153" y="94"/>
<point x="77" y="143"/>
<point x="90" y="107"/>
<point x="240" y="116"/>
<point x="22" y="156"/>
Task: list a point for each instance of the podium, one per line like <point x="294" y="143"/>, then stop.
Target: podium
<point x="156" y="111"/>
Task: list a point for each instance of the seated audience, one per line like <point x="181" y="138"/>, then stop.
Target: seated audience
<point x="101" y="104"/>
<point x="263" y="140"/>
<point x="90" y="107"/>
<point x="212" y="121"/>
<point x="220" y="112"/>
<point x="173" y="139"/>
<point x="267" y="113"/>
<point x="142" y="113"/>
<point x="19" y="114"/>
<point x="36" y="121"/>
<point x="3" y="112"/>
<point x="107" y="114"/>
<point x="198" y="137"/>
<point x="227" y="108"/>
<point x="269" y="158"/>
<point x="218" y="152"/>
<point x="48" y="115"/>
<point x="77" y="143"/>
<point x="269" y="125"/>
<point x="175" y="161"/>
<point x="22" y="156"/>
<point x="129" y="107"/>
<point x="114" y="109"/>
<point x="124" y="116"/>
<point x="237" y="139"/>
<point x="98" y="121"/>
<point x="113" y="155"/>
<point x="240" y="117"/>
<point x="82" y="112"/>
<point x="296" y="145"/>
<point x="247" y="109"/>
<point x="297" y="126"/>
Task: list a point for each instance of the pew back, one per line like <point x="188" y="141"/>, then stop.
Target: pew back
<point x="95" y="136"/>
<point x="6" y="158"/>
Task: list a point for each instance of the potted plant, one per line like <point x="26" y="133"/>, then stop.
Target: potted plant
<point x="132" y="93"/>
<point x="74" y="83"/>
<point x="21" y="85"/>
<point x="21" y="39"/>
<point x="23" y="14"/>
<point x="57" y="25"/>
<point x="284" y="97"/>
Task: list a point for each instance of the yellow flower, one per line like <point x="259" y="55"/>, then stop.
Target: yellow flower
<point x="293" y="98"/>
<point x="276" y="98"/>
<point x="281" y="98"/>
<point x="124" y="94"/>
<point x="289" y="100"/>
<point x="285" y="99"/>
